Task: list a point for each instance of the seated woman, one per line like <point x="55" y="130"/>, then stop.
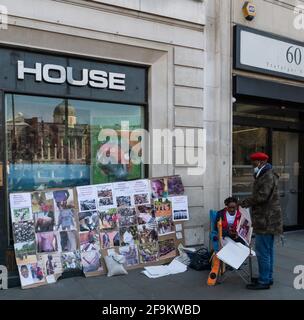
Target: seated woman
<point x="230" y="216"/>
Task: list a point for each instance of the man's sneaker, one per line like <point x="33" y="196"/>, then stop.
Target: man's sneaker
<point x="257" y="286"/>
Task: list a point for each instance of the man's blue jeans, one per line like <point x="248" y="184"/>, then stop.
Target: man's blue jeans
<point x="264" y="250"/>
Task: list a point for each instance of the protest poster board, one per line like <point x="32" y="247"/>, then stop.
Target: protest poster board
<point x="57" y="231"/>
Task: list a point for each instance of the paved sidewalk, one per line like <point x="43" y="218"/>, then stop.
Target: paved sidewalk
<point x="188" y="285"/>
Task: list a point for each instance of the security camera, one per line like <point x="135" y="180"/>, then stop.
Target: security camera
<point x="233" y="100"/>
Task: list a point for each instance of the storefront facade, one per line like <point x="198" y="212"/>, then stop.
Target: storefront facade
<point x="268" y="85"/>
<point x="67" y="76"/>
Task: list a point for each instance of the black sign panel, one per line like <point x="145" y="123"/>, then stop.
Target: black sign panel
<point x="71" y="77"/>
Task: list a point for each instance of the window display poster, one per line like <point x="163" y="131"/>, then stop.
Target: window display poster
<point x="109" y="163"/>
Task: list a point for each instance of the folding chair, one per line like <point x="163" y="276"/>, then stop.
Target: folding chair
<point x="244" y="271"/>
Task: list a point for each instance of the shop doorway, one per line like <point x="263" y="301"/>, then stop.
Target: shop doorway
<point x="277" y="131"/>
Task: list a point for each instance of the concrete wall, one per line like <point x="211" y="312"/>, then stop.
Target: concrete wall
<point x="184" y="79"/>
<point x="272" y="16"/>
<point x="186" y="10"/>
<point x="218" y="111"/>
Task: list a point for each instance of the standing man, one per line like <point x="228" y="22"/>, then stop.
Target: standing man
<point x="266" y="217"/>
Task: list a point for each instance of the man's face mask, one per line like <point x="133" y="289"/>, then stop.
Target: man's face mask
<point x="256" y="167"/>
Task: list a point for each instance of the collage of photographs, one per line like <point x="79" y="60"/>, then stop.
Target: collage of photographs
<point x="45" y="232"/>
<point x="55" y="232"/>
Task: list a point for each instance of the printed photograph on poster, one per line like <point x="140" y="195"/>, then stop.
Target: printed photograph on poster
<point x="88" y="221"/>
<point x="126" y="221"/>
<point x="69" y="240"/>
<point x="105" y="190"/>
<point x="244" y="229"/>
<point x="123" y="201"/>
<point x="166" y="249"/>
<point x="105" y="202"/>
<point x="24" y="231"/>
<point x="87" y="205"/>
<point x="131" y="255"/>
<point x="25" y="252"/>
<point x="180" y="209"/>
<point x="141" y="198"/>
<point x="47" y="241"/>
<point x="145" y="213"/>
<point x="42" y="201"/>
<point x="163" y="207"/>
<point x="147" y="234"/>
<point x="71" y="261"/>
<point x="43" y="211"/>
<point x="148" y="253"/>
<point x="109" y="239"/>
<point x="50" y="263"/>
<point x="165" y="226"/>
<point x="175" y="186"/>
<point x="63" y="198"/>
<point x="157" y="188"/>
<point x="105" y="195"/>
<point x="22" y="214"/>
<point x="109" y="219"/>
<point x="30" y="274"/>
<point x="126" y="212"/>
<point x="128" y="235"/>
<point x="65" y="210"/>
<point x="87" y="198"/>
<point x="89" y="240"/>
<point x="91" y="262"/>
<point x="21" y="207"/>
<point x="44" y="222"/>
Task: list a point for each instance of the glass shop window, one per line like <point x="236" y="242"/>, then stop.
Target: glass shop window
<point x="55" y="143"/>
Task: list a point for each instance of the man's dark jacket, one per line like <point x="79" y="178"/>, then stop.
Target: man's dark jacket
<point x="265" y="206"/>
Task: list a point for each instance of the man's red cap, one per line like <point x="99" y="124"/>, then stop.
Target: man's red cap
<point x="259" y="156"/>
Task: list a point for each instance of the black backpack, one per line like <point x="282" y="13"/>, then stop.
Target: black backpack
<point x="200" y="259"/>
